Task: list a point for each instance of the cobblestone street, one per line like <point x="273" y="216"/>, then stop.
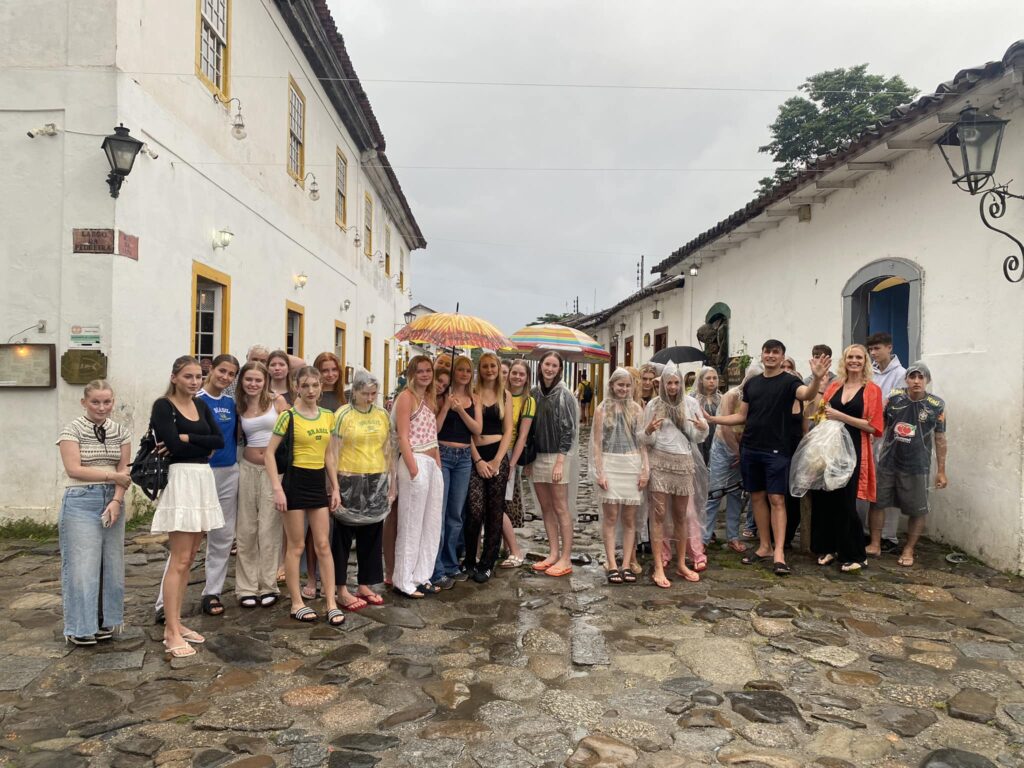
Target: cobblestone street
<point x="892" y="667"/>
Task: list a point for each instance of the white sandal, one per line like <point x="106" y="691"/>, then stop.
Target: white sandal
<point x="512" y="562"/>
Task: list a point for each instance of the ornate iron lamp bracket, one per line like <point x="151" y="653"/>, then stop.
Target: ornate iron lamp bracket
<point x="992" y="206"/>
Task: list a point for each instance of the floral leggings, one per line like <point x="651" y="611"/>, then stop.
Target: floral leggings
<point x="485" y="509"/>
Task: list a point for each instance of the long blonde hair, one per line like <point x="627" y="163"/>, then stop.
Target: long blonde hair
<point x="429" y="396"/>
<point x="868" y="371"/>
<point x="462" y="360"/>
<point x="498" y="388"/>
<point x="176" y="367"/>
<point x="526" y="385"/>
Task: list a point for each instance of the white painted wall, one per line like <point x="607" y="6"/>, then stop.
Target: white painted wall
<point x="788" y="284"/>
<point x="203" y="180"/>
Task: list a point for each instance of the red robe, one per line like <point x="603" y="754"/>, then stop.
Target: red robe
<point x="873" y="412"/>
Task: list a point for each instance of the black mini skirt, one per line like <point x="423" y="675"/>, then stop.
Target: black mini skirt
<point x="305" y="488"/>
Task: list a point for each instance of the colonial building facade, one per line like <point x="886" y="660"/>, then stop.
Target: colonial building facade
<point x="875" y="237"/>
<point x="262" y="210"/>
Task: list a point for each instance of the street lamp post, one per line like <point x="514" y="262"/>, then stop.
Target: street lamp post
<point x="979" y="138"/>
<point x="121" y="150"/>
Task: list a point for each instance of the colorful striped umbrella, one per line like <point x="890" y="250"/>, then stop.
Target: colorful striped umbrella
<point x="450" y="329"/>
<point x="573" y="345"/>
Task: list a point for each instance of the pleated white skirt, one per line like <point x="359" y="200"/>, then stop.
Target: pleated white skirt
<point x="189" y="503"/>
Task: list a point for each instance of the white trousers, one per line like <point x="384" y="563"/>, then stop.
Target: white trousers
<point x="218" y="540"/>
<point x="419" y="523"/>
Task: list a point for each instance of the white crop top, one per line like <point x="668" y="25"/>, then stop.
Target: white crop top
<point x="258" y="429"/>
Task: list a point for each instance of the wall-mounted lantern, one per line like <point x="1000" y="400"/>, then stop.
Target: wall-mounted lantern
<point x="121" y="150"/>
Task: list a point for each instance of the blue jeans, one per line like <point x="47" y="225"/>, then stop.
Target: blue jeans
<point x="723" y="475"/>
<point x="92" y="561"/>
<point x="456" y="467"/>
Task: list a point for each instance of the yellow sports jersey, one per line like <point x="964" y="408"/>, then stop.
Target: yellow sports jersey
<point x="312" y="437"/>
<point x="365" y="440"/>
<point x="523" y="407"/>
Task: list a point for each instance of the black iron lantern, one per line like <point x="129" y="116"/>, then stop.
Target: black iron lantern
<point x="409" y="316"/>
<point x="979" y="137"/>
<point x="121" y="150"/>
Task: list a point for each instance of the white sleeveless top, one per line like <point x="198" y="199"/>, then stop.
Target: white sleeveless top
<point x="259" y="428"/>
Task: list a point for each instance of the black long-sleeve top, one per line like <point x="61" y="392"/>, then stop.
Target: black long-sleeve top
<point x="204" y="436"/>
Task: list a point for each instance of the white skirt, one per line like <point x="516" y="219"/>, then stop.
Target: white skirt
<point x="189" y="503"/>
<point x="623" y="473"/>
<point x="544" y="466"/>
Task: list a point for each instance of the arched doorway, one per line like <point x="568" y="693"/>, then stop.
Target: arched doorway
<point x="885" y="296"/>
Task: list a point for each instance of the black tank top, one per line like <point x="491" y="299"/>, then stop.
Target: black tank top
<point x="453" y="428"/>
<point x="492" y="421"/>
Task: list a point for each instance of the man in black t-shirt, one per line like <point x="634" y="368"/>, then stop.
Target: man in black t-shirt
<point x="765" y="445"/>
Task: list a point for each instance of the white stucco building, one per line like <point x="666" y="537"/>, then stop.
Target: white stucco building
<point x="875" y="237"/>
<point x="302" y="274"/>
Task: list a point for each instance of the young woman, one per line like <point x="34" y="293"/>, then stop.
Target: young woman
<point x="95" y="452"/>
<point x="281" y="381"/>
<point x="524" y="408"/>
<point x="361" y="443"/>
<point x="305" y="494"/>
<point x="554" y="471"/>
<point x="619" y="469"/>
<point x="671" y="422"/>
<point x="705" y="391"/>
<point x="332" y="397"/>
<point x="189" y="505"/>
<point x="420" y="482"/>
<point x="486" y="506"/>
<point x="458" y="420"/>
<point x="258" y="528"/>
<point x="836" y="531"/>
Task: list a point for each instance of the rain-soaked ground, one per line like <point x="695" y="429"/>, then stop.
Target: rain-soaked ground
<point x="891" y="667"/>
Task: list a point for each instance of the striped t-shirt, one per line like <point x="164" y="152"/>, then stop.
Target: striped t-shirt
<point x="94" y="453"/>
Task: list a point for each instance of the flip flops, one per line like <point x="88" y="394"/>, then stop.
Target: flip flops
<point x="753" y="558"/>
<point x="305" y="614"/>
<point x="356" y="605"/>
<point x="659" y="584"/>
<point x="372" y="599"/>
<point x="826" y="559"/>
<point x="191" y="636"/>
<point x="557" y="572"/>
<point x="689" y="575"/>
<point x="178" y="651"/>
<point x="907" y="561"/>
<point x="542" y="566"/>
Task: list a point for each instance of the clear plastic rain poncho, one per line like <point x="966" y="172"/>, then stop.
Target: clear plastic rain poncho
<point x="679" y="412"/>
<point x="363" y="440"/>
<point x="556" y="429"/>
<point x="617" y="454"/>
<point x="824" y="461"/>
<point x="910" y="426"/>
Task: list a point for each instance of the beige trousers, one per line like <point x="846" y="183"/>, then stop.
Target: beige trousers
<point x="258" y="533"/>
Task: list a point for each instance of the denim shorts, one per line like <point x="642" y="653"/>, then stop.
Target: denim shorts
<point x="764" y="471"/>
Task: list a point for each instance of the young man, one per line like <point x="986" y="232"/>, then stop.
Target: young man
<point x="914" y="419"/>
<point x="889" y="374"/>
<point x="585" y="394"/>
<point x="765" y="447"/>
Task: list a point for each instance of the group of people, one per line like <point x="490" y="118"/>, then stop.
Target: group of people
<point x="276" y="461"/>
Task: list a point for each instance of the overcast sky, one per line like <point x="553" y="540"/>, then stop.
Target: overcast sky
<point x="509" y="245"/>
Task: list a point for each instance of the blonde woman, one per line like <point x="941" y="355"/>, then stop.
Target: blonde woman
<point x="258" y="531"/>
<point x="458" y="421"/>
<point x="485" y="508"/>
<point x="95" y="451"/>
<point x="524" y="409"/>
<point x="420" y="482"/>
<point x="189" y="506"/>
<point x="619" y="469"/>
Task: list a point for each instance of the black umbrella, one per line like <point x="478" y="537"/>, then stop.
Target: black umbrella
<point x="679" y="355"/>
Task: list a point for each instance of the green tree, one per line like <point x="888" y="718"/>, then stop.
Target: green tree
<point x="550" y="317"/>
<point x="838" y="104"/>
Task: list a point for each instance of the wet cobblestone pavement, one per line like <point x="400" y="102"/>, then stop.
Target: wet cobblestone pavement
<point x="891" y="667"/>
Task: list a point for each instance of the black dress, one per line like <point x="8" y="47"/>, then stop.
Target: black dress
<point x="835" y="525"/>
<point x="796" y="432"/>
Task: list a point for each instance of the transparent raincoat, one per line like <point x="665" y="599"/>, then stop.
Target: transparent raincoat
<point x="556" y="430"/>
<point x="617" y="454"/>
<point x="910" y="428"/>
<point x="679" y="414"/>
<point x="365" y="449"/>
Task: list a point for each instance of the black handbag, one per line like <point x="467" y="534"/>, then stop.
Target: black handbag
<point x="283" y="454"/>
<point x="149" y="469"/>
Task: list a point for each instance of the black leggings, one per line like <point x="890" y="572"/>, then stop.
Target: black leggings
<point x="485" y="509"/>
<point x="369" y="552"/>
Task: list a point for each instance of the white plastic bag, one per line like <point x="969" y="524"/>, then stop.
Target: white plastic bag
<point x="824" y="460"/>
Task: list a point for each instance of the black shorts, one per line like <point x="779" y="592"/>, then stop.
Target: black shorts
<point x="305" y="488"/>
<point x="907" y="492"/>
<point x="764" y="471"/>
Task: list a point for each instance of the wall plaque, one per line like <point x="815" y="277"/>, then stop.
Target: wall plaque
<point x="80" y="366"/>
<point x="26" y="366"/>
<point x="92" y="240"/>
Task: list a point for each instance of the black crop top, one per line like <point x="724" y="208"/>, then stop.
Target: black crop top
<point x="492" y="421"/>
<point x="204" y="436"/>
<point x="453" y="428"/>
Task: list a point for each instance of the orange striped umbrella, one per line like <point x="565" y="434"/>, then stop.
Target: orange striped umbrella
<point x="451" y="329"/>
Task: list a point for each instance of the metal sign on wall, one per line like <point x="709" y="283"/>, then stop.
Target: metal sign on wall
<point x="92" y="240"/>
<point x="80" y="366"/>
